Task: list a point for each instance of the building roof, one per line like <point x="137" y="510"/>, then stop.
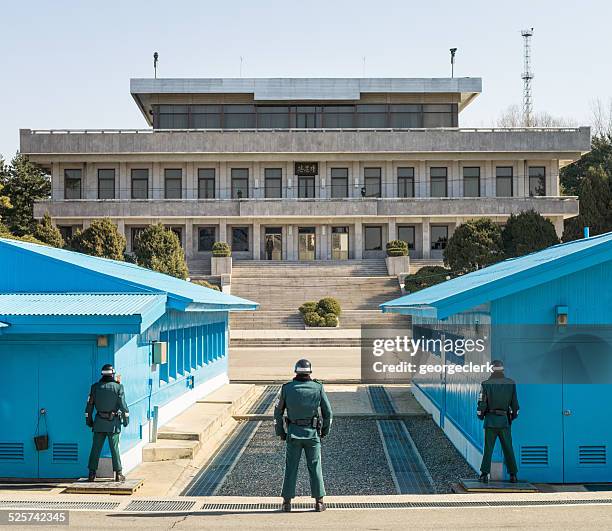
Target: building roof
<point x="143" y="90"/>
<point x="504" y="278"/>
<point x="182" y="295"/>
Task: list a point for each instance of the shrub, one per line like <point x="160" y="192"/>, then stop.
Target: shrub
<point x="474" y="244"/>
<point x="221" y="249"/>
<point x="397" y="248"/>
<point x="308" y="307"/>
<point x="331" y="320"/>
<point x="158" y="248"/>
<point x="206" y="284"/>
<point x="526" y="233"/>
<point x="48" y="233"/>
<point x="329" y="305"/>
<point x="313" y="319"/>
<point x="101" y="238"/>
<point x="425" y="277"/>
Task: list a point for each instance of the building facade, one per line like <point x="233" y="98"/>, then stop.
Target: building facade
<point x="304" y="169"/>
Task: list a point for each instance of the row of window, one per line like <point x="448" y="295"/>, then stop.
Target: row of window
<point x="339" y="186"/>
<point x="191" y="348"/>
<point x="304" y="116"/>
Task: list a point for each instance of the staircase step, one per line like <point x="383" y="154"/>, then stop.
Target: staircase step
<point x="168" y="450"/>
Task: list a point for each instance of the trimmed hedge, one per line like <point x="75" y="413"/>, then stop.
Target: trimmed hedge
<point x="329" y="305"/>
<point x="221" y="249"/>
<point x="322" y="313"/>
<point x="313" y="319"/>
<point x="308" y="307"/>
<point x="397" y="248"/>
<point x="331" y="320"/>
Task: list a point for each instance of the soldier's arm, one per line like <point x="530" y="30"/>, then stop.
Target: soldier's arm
<point x="89" y="407"/>
<point x="482" y="403"/>
<point x="123" y="406"/>
<point x="514" y="405"/>
<point x="279" y="410"/>
<point x="326" y="413"/>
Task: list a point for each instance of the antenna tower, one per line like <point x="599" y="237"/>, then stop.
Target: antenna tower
<point x="527" y="76"/>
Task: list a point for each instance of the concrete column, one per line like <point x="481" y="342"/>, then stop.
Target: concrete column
<point x="558" y="223"/>
<point x="455" y="187"/>
<point x="223" y="231"/>
<point x="224" y="185"/>
<point x="390" y="180"/>
<point x="356" y="180"/>
<point x="489" y="179"/>
<point x="358" y="245"/>
<point x="123" y="182"/>
<point x="121" y="227"/>
<point x="291" y="190"/>
<point x="552" y="181"/>
<point x="426" y="239"/>
<point x="156" y="182"/>
<point x="256" y="240"/>
<point x="392" y="230"/>
<point x="86" y="223"/>
<point x="518" y="182"/>
<point x="57" y="188"/>
<point x="257" y="182"/>
<point x="421" y="179"/>
<point x="90" y="182"/>
<point x="291" y="239"/>
<point x="324" y="181"/>
<point x="188" y="238"/>
<point x="190" y="182"/>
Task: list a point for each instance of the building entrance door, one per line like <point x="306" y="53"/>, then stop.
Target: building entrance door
<point x="306" y="243"/>
<point x="274" y="243"/>
<point x="340" y="243"/>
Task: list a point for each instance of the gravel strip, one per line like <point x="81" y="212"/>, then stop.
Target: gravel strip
<point x="445" y="464"/>
<point x="354" y="463"/>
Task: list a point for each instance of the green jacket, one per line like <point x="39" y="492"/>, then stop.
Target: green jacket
<point x="106" y="396"/>
<point x="498" y="404"/>
<point x="302" y="399"/>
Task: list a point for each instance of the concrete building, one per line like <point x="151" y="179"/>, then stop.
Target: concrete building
<point x="547" y="316"/>
<point x="304" y="169"/>
<point x="57" y="329"/>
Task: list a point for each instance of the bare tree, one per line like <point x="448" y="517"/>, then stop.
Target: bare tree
<point x="601" y="117"/>
<point x="513" y="117"/>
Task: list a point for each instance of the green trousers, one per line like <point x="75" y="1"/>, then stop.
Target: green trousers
<point x="96" y="448"/>
<point x="312" y="449"/>
<point x="505" y="438"/>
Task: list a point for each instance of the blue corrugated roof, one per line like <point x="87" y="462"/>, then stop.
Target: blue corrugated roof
<point x="118" y="304"/>
<point x="503" y="278"/>
<point x="186" y="293"/>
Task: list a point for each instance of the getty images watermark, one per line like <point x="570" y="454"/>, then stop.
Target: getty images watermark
<point x="392" y="355"/>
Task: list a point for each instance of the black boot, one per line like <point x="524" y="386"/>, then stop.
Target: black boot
<point x="319" y="505"/>
<point x="91" y="476"/>
<point x="286" y="505"/>
<point x="484" y="478"/>
<point x="513" y="478"/>
<point x="119" y="477"/>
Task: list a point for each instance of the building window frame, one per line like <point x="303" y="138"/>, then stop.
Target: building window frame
<point x="440" y="243"/>
<point x="73" y="183"/>
<point x="273" y="183"/>
<point x="139" y="176"/>
<point x="372" y="180"/>
<point x="373" y="229"/>
<point x="106" y="191"/>
<point x="339" y="182"/>
<point x="240" y="183"/>
<point x="307" y="187"/>
<point x="206" y="183"/>
<point x="411" y="241"/>
<point x="205" y="243"/>
<point x="405" y="181"/>
<point x="504" y="175"/>
<point x="537" y="181"/>
<point x="240" y="244"/>
<point x="173" y="183"/>
<point x="438" y="181"/>
<point x="471" y="179"/>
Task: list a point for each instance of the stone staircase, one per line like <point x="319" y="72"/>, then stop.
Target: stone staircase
<point x="418" y="263"/>
<point x="295" y="342"/>
<point x="319" y="268"/>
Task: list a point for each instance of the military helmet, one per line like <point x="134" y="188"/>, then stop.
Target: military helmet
<point x="303" y="367"/>
<point x="498" y="365"/>
<point x="108" y="370"/>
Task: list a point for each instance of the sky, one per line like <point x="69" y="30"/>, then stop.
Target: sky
<point x="66" y="64"/>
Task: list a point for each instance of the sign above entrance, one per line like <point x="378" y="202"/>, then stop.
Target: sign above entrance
<point x="306" y="168"/>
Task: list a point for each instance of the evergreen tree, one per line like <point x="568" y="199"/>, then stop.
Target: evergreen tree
<point x="24" y="183"/>
<point x="158" y="248"/>
<point x="474" y="244"/>
<point x="600" y="155"/>
<point x="527" y="232"/>
<point x="101" y="238"/>
<point x="48" y="233"/>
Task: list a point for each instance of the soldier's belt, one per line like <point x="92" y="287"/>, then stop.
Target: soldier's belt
<point x="108" y="415"/>
<point x="499" y="412"/>
<point x="303" y="422"/>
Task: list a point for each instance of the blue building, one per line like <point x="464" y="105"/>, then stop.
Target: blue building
<point x="62" y="316"/>
<point x="548" y="315"/>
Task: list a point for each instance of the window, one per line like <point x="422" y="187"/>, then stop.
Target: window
<point x="206" y="238"/>
<point x="406" y="116"/>
<point x="306" y="116"/>
<point x="135" y="232"/>
<point x="503" y="181"/>
<point x="205" y="116"/>
<point x="173" y="183"/>
<point x="72" y="184"/>
<point x="140" y="183"/>
<point x="273" y="182"/>
<point x="306" y="187"/>
<point x="239" y="116"/>
<point x="240" y="239"/>
<point x="373" y="238"/>
<point x="338" y="116"/>
<point x="240" y="183"/>
<point x="406" y="234"/>
<point x="272" y="117"/>
<point x="370" y="116"/>
<point x="67" y="231"/>
<point x="439" y="115"/>
<point x="471" y="182"/>
<point x="405" y="182"/>
<point x="537" y="180"/>
<point x="439" y="237"/>
<point x="172" y="117"/>
<point x="439" y="182"/>
<point x="339" y="182"/>
<point x="372" y="182"/>
<point x="106" y="184"/>
<point x="206" y="183"/>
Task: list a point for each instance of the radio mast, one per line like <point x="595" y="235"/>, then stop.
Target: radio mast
<point x="527" y="76"/>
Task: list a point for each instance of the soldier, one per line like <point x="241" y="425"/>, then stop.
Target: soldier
<point x="302" y="398"/>
<point x="108" y="397"/>
<point x="498" y="407"/>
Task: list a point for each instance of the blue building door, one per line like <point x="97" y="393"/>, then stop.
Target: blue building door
<point x="54" y="376"/>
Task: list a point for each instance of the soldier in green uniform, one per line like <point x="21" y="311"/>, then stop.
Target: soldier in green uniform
<point x="498" y="407"/>
<point x="303" y="397"/>
<point x="108" y="397"/>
